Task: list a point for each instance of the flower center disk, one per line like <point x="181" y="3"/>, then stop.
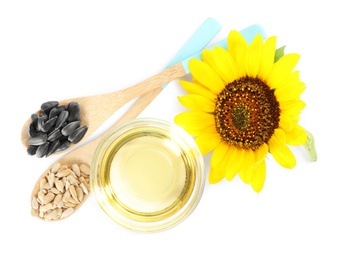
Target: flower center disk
<point x="246" y="113"/>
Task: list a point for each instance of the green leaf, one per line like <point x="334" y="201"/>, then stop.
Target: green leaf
<point x="279" y="53"/>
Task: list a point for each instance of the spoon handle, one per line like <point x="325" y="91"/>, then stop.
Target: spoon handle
<point x="200" y="38"/>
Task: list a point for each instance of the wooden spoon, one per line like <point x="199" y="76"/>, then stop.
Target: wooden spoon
<point x="84" y="154"/>
<point x="95" y="110"/>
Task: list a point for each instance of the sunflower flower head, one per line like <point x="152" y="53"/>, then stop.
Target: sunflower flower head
<point x="244" y="102"/>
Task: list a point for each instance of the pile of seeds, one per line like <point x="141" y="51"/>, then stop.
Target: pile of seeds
<point x="54" y="129"/>
<point x="61" y="190"/>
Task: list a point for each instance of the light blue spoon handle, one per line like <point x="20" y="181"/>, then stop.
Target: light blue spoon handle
<point x="248" y="33"/>
<point x="201" y="37"/>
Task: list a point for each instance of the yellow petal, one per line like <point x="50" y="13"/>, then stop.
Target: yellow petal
<point x="215" y="175"/>
<point x="244" y="172"/>
<point x="195" y="119"/>
<point x="268" y="53"/>
<point x="292" y="105"/>
<point x="297" y="136"/>
<point x="196" y="123"/>
<point x="218" y="173"/>
<point x="290" y="92"/>
<point x="237" y="47"/>
<point x="234" y="163"/>
<point x="194" y="88"/>
<point x="287" y="122"/>
<point x="225" y="64"/>
<point x="197" y="102"/>
<point x="207" y="56"/>
<point x="207" y="142"/>
<point x="203" y="73"/>
<point x="219" y="154"/>
<point x="291" y="79"/>
<point x="281" y="70"/>
<point x="253" y="56"/>
<point x="280" y="151"/>
<point x="261" y="153"/>
<point x="260" y="176"/>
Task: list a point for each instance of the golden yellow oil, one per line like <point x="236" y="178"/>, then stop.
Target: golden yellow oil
<point x="148" y="174"/>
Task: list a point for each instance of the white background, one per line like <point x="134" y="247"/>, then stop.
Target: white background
<point x="52" y="50"/>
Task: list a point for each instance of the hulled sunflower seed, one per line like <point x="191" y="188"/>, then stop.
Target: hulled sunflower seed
<point x="55" y="191"/>
<point x="46" y="207"/>
<point x="73" y="192"/>
<point x="59" y="185"/>
<point x="34" y="203"/>
<point x="63" y="173"/>
<point x="55" y="167"/>
<point x="79" y="193"/>
<point x="42" y="183"/>
<point x="84" y="188"/>
<point x="48" y="198"/>
<point x="67" y="213"/>
<point x="72" y="180"/>
<point x="75" y="168"/>
<point x="51" y="178"/>
<point x="66" y="196"/>
<point x="57" y="199"/>
<point x="85" y="169"/>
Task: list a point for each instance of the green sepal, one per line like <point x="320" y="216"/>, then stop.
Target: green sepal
<point x="279" y="52"/>
<point x="310" y="146"/>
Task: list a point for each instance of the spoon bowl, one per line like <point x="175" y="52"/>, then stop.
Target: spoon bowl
<point x="95" y="110"/>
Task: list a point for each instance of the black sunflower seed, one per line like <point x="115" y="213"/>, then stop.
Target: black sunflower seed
<point x="41" y="121"/>
<point x="74" y="112"/>
<point x="54" y="135"/>
<point x="54" y="112"/>
<point x="46" y="128"/>
<point x="37" y="139"/>
<point x="47" y="106"/>
<point x="31" y="150"/>
<point x="49" y="124"/>
<point x="62" y="118"/>
<point x="34" y="119"/>
<point x="42" y="150"/>
<point x="78" y="134"/>
<point x="63" y="146"/>
<point x="53" y="147"/>
<point x="69" y="128"/>
<point x="31" y="130"/>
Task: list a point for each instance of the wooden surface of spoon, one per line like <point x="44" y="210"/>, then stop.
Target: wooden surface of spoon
<point x="95" y="110"/>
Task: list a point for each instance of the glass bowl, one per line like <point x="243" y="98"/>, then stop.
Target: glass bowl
<point x="147" y="175"/>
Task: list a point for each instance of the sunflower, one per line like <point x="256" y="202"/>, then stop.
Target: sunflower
<point x="243" y="105"/>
